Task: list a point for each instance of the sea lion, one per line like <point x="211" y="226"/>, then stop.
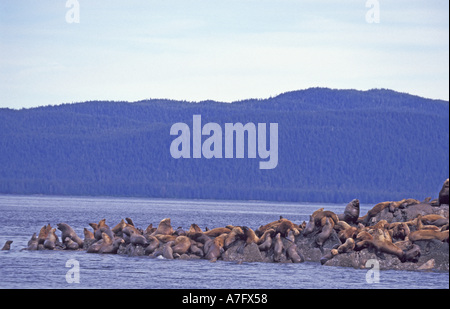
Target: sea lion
<point x="194" y="230"/>
<point x="428" y="235"/>
<point x="70" y="244"/>
<point x="118" y="228"/>
<point x="195" y="249"/>
<point x="68" y="232"/>
<point x="277" y="248"/>
<point x="153" y="244"/>
<point x="434" y="220"/>
<point x="351" y="232"/>
<point x="7" y="245"/>
<point x="217" y="231"/>
<point x="351" y="212"/>
<point x="348" y="246"/>
<point x="310" y="226"/>
<point x="381" y="243"/>
<point x="250" y="236"/>
<point x="111" y="248"/>
<point x="167" y="251"/>
<point x="294" y="253"/>
<point x="235" y="234"/>
<point x="181" y="245"/>
<point x="266" y="240"/>
<point x="213" y="248"/>
<point x="373" y="212"/>
<point x="88" y="235"/>
<point x="50" y="240"/>
<point x="328" y="256"/>
<point x="180" y="232"/>
<point x="444" y="194"/>
<point x="33" y="243"/>
<point x="129" y="221"/>
<point x="319" y="215"/>
<point x="43" y="233"/>
<point x="137" y="239"/>
<point x="166" y="238"/>
<point x="164" y="228"/>
<point x="327" y="229"/>
<point x="412" y="254"/>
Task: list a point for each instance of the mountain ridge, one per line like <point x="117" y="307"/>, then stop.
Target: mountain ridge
<point x="334" y="145"/>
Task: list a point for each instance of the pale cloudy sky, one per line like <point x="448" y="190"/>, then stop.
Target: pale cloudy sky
<point x="221" y="50"/>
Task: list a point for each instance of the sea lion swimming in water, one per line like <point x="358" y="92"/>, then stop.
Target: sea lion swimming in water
<point x="7" y="245"/>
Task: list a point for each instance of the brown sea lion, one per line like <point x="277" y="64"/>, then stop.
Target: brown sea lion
<point x="33" y="243"/>
<point x="195" y="249"/>
<point x="88" y="235"/>
<point x="181" y="245"/>
<point x="217" y="232"/>
<point x="129" y="221"/>
<point x="111" y="248"/>
<point x="373" y="212"/>
<point x="351" y="212"/>
<point x="50" y="241"/>
<point x="235" y="234"/>
<point x="164" y="228"/>
<point x="137" y="239"/>
<point x="266" y="240"/>
<point x="68" y="232"/>
<point x="382" y="243"/>
<point x="153" y="244"/>
<point x="118" y="228"/>
<point x="166" y="238"/>
<point x="194" y="230"/>
<point x="428" y="235"/>
<point x="7" y="245"/>
<point x="70" y="244"/>
<point x="325" y="214"/>
<point x="213" y="249"/>
<point x="150" y="229"/>
<point x="434" y="220"/>
<point x="167" y="252"/>
<point x="328" y="256"/>
<point x="277" y="248"/>
<point x="351" y="232"/>
<point x="250" y="236"/>
<point x="327" y="229"/>
<point x="43" y="233"/>
<point x="348" y="246"/>
<point x="294" y="253"/>
<point x="444" y="194"/>
<point x="310" y="226"/>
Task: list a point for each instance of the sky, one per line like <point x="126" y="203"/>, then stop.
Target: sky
<point x="224" y="50"/>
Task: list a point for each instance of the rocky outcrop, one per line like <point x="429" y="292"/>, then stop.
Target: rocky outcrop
<point x="399" y="235"/>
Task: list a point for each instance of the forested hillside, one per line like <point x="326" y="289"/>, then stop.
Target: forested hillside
<point x="334" y="145"/>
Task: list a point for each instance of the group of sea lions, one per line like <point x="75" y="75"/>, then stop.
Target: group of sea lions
<point x="387" y="229"/>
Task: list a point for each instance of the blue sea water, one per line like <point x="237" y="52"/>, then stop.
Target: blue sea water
<point x="21" y="216"/>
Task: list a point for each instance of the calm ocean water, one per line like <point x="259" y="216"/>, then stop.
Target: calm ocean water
<point x="21" y="216"/>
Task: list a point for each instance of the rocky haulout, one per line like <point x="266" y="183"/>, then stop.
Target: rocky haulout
<point x="401" y="235"/>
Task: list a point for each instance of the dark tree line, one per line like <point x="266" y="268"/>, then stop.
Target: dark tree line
<point x="334" y="145"/>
